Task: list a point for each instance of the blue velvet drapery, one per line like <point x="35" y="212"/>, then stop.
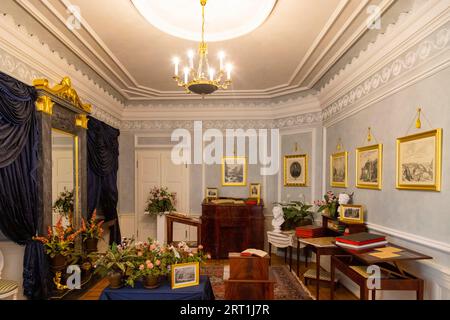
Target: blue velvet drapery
<point x="103" y="164"/>
<point x="19" y="217"/>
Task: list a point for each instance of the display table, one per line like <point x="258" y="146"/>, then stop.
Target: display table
<point x="201" y="292"/>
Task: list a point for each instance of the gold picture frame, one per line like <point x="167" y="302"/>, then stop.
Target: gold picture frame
<point x="234" y="171"/>
<point x="255" y="191"/>
<point x="339" y="170"/>
<point x="296" y="170"/>
<point x="212" y="193"/>
<point x="185" y="275"/>
<point x="368" y="177"/>
<point x="419" y="161"/>
<point x="350" y="213"/>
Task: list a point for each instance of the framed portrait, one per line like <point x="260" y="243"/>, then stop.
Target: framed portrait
<point x="419" y="161"/>
<point x="369" y="164"/>
<point x="255" y="191"/>
<point x="296" y="170"/>
<point x="212" y="193"/>
<point x="185" y="275"/>
<point x="234" y="171"/>
<point x="339" y="170"/>
<point x="351" y="213"/>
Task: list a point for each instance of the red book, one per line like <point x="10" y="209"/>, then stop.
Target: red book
<point x="360" y="239"/>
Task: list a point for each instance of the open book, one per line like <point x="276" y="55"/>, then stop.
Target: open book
<point x="254" y="252"/>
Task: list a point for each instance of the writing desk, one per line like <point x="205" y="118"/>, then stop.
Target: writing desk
<point x="323" y="246"/>
<point x="353" y="264"/>
<point x="171" y="218"/>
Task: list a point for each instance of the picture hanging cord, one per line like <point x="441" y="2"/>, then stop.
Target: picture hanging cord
<point x="296" y="147"/>
<point x="417" y="122"/>
<point x="339" y="145"/>
<point x="370" y="136"/>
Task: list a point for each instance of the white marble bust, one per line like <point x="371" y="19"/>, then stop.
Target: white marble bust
<point x="278" y="218"/>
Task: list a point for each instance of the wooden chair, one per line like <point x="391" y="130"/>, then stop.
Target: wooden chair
<point x="8" y="288"/>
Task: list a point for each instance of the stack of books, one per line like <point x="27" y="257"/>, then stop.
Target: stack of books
<point x="311" y="231"/>
<point x="360" y="241"/>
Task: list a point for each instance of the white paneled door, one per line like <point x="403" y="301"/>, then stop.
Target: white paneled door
<point x="155" y="168"/>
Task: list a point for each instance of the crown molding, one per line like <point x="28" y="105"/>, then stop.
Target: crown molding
<point x="399" y="54"/>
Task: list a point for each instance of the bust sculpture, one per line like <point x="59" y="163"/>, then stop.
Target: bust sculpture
<point x="278" y="218"/>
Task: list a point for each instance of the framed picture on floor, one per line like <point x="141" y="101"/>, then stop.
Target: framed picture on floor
<point x="296" y="170"/>
<point x="185" y="275"/>
<point x="234" y="171"/>
<point x="351" y="213"/>
<point x="369" y="163"/>
<point x="339" y="170"/>
<point x="419" y="161"/>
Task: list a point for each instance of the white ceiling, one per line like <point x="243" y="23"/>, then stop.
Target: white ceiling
<point x="289" y="52"/>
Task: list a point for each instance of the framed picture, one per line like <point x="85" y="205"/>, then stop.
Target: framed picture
<point x="339" y="169"/>
<point x="234" y="171"/>
<point x="296" y="170"/>
<point x="369" y="164"/>
<point x="255" y="191"/>
<point x="351" y="213"/>
<point x="185" y="275"/>
<point x="212" y="193"/>
<point x="419" y="161"/>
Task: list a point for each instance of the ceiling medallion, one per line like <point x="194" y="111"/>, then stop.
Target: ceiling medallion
<point x="203" y="80"/>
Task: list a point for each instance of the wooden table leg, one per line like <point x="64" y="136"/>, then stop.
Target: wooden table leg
<point x="332" y="276"/>
<point x="419" y="294"/>
<point x="270" y="254"/>
<point x="290" y="258"/>
<point x="374" y="294"/>
<point x="317" y="274"/>
<point x="285" y="254"/>
<point x="298" y="258"/>
<point x="363" y="292"/>
<point x="305" y="251"/>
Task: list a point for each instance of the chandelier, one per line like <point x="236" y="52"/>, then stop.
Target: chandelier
<point x="203" y="80"/>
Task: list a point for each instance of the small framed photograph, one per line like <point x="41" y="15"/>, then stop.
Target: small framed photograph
<point x="185" y="275"/>
<point x="296" y="170"/>
<point x="351" y="213"/>
<point x="339" y="170"/>
<point x="212" y="193"/>
<point x="419" y="161"/>
<point x="369" y="164"/>
<point x="234" y="171"/>
<point x="255" y="191"/>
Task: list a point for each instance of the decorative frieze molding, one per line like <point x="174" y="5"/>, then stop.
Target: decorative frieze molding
<point x="427" y="49"/>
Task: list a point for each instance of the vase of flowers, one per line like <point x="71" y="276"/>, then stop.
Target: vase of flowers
<point x="160" y="201"/>
<point x="116" y="263"/>
<point x="59" y="244"/>
<point x="64" y="205"/>
<point x="91" y="232"/>
<point x="329" y="206"/>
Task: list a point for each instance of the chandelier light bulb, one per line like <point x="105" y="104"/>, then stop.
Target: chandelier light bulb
<point x="221" y="59"/>
<point x="229" y="69"/>
<point x="176" y="62"/>
<point x="186" y="74"/>
<point x="211" y="74"/>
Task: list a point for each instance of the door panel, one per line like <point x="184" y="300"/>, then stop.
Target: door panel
<point x="155" y="168"/>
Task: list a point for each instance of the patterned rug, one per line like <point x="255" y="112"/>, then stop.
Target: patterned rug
<point x="288" y="286"/>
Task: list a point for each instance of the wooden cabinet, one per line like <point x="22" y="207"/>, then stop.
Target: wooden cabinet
<point x="231" y="228"/>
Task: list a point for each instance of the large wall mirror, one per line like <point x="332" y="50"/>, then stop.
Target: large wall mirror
<point x="64" y="177"/>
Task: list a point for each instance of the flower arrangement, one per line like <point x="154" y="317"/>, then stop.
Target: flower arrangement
<point x="182" y="253"/>
<point x="59" y="241"/>
<point x="330" y="204"/>
<point x="64" y="204"/>
<point x="92" y="229"/>
<point x="160" y="200"/>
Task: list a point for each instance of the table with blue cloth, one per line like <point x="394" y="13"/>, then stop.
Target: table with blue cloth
<point x="203" y="291"/>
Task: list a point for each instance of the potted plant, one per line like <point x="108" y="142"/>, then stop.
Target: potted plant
<point x="329" y="205"/>
<point x="116" y="263"/>
<point x="91" y="232"/>
<point x="59" y="244"/>
<point x="151" y="264"/>
<point x="64" y="205"/>
<point x="296" y="214"/>
<point x="160" y="201"/>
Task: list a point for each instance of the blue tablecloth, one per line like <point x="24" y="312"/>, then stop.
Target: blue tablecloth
<point x="201" y="292"/>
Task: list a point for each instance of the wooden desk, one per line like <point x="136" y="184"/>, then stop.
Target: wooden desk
<point x="323" y="246"/>
<point x="171" y="218"/>
<point x="395" y="278"/>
